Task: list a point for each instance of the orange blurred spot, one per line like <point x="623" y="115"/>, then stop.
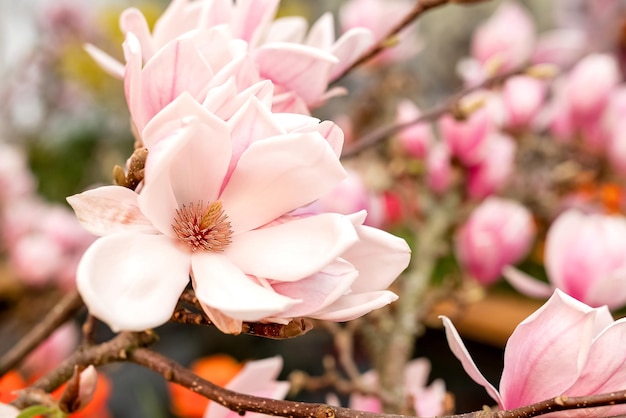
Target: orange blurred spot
<point x="218" y="369"/>
<point x="9" y="383"/>
<point x="612" y="196"/>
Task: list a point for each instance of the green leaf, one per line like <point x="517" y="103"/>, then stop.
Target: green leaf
<point x="33" y="411"/>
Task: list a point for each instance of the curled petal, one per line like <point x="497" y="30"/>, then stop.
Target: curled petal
<point x="292" y="250"/>
<point x="526" y="284"/>
<point x="221" y="285"/>
<point x="122" y="289"/>
<point x="458" y="348"/>
<point x="355" y="305"/>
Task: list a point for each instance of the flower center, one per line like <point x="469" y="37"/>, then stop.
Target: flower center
<point x="203" y="227"/>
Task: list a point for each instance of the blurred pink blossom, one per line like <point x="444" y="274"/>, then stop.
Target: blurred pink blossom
<point x="52" y="351"/>
<point x="561" y="47"/>
<point x="492" y="173"/>
<point x="467" y="139"/>
<point x="564" y="348"/>
<point x="506" y="39"/>
<point x="257" y="378"/>
<point x="16" y="179"/>
<point x="584" y="257"/>
<point x="427" y="400"/>
<point x="499" y="232"/>
<point x="438" y="168"/>
<point x="522" y="98"/>
<point x="417" y="138"/>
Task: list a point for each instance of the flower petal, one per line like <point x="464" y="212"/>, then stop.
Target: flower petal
<point x="292" y="250"/>
<point x="109" y="209"/>
<point x="319" y="290"/>
<point x="109" y="64"/>
<point x="355" y="305"/>
<point x="132" y="281"/>
<point x="378" y="256"/>
<point x="349" y="47"/>
<point x="557" y="337"/>
<point x="221" y="285"/>
<point x="132" y="20"/>
<point x="278" y="175"/>
<point x="526" y="284"/>
<point x="458" y="348"/>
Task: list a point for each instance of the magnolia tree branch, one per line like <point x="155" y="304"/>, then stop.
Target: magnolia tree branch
<point x="65" y="309"/>
<point x="420" y="8"/>
<point x="450" y="106"/>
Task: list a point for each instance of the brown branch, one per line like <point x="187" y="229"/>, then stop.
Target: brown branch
<point x="450" y="106"/>
<point x="295" y="327"/>
<point x="67" y="307"/>
<point x="114" y="350"/>
<point x="420" y="7"/>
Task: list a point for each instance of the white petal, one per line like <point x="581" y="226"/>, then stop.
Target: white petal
<point x="278" y="175"/>
<point x="355" y="305"/>
<point x="132" y="281"/>
<point x="109" y="64"/>
<point x="526" y="284"/>
<point x="293" y="250"/>
<point x="109" y="209"/>
<point x="221" y="285"/>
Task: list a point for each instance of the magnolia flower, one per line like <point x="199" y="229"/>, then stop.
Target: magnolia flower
<point x="522" y="98"/>
<point x="300" y="66"/>
<point x="416" y="139"/>
<point x="467" y="139"/>
<point x="492" y="173"/>
<point x="257" y="378"/>
<point x="438" y="167"/>
<point x="427" y="400"/>
<point x="564" y="348"/>
<point x="584" y="258"/>
<point x="498" y="232"/>
<point x="215" y="206"/>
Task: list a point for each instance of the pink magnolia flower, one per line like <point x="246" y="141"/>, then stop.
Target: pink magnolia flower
<point x="16" y="179"/>
<point x="506" y="39"/>
<point x="564" y="348"/>
<point x="561" y="47"/>
<point x="584" y="257"/>
<point x="522" y="98"/>
<point x="492" y="173"/>
<point x="467" y="139"/>
<point x="499" y="232"/>
<point x="427" y="400"/>
<point x="417" y="138"/>
<point x="257" y="378"/>
<point x="300" y="66"/>
<point x="52" y="351"/>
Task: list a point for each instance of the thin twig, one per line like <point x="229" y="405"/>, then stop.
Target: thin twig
<point x="67" y="307"/>
<point x="450" y="106"/>
<point x="420" y="7"/>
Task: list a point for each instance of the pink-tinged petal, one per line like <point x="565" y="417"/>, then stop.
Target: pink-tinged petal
<point x="132" y="20"/>
<point x="430" y="401"/>
<point x="251" y="123"/>
<point x="322" y="32"/>
<point x="416" y="374"/>
<point x="278" y="175"/>
<point x="304" y="70"/>
<point x="557" y="336"/>
<point x="175" y="68"/>
<point x="251" y="18"/>
<point x="109" y="209"/>
<point x="319" y="290"/>
<point x="561" y="235"/>
<point x="526" y="284"/>
<point x="287" y="29"/>
<point x="224" y="323"/>
<point x="378" y="256"/>
<point x="222" y="285"/>
<point x="329" y="130"/>
<point x="133" y="80"/>
<point x="458" y="348"/>
<point x="611" y="291"/>
<point x="289" y="102"/>
<point x="188" y="167"/>
<point x="355" y="305"/>
<point x="109" y="64"/>
<point x="349" y="47"/>
<point x="257" y="378"/>
<point x="176" y="115"/>
<point x="132" y="281"/>
<point x="294" y="249"/>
